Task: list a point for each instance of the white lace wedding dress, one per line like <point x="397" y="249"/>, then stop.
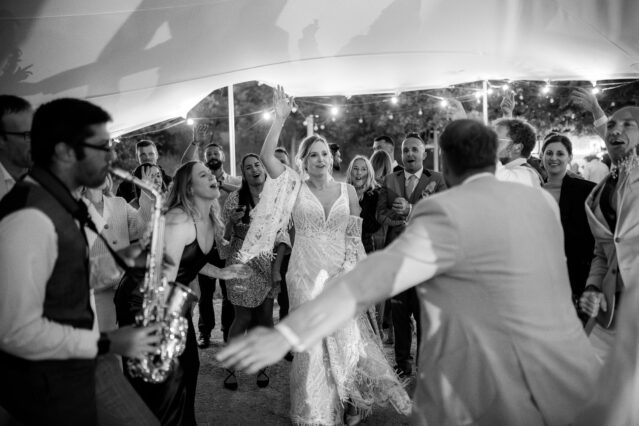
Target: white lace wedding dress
<point x="348" y="366"/>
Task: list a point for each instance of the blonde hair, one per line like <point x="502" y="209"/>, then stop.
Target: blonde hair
<point x="305" y="150"/>
<point x="381" y="161"/>
<point x="370" y="177"/>
<point x="180" y="196"/>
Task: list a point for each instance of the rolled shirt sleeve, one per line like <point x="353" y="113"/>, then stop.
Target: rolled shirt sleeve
<point x="28" y="252"/>
<point x="428" y="247"/>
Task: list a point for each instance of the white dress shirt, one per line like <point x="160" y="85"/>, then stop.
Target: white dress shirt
<point x="6" y="181"/>
<point x="28" y="252"/>
<point x="515" y="171"/>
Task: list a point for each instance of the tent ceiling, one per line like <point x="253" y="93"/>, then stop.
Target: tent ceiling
<point x="149" y="60"/>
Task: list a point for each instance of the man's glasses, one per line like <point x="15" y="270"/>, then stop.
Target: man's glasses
<point x="107" y="147"/>
<point x="25" y="135"/>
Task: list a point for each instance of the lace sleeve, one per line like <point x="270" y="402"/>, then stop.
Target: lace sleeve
<point x="270" y="215"/>
<point x="354" y="247"/>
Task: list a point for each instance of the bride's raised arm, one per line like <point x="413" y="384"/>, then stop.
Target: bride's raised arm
<point x="282" y="107"/>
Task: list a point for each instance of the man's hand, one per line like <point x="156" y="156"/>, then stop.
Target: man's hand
<point x="401" y="206"/>
<point x="260" y="348"/>
<point x="585" y="99"/>
<point x="202" y="133"/>
<point x="591" y="301"/>
<point x="135" y="342"/>
<point x="507" y="104"/>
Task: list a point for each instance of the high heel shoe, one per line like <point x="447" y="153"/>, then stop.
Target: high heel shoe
<point x="262" y="379"/>
<point x="230" y="382"/>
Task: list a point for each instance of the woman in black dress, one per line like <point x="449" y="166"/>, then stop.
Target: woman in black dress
<point x="570" y="193"/>
<point x="193" y="234"/>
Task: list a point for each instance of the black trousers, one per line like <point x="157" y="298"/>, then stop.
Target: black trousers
<point x="282" y="297"/>
<point x="206" y="323"/>
<point x="48" y="392"/>
<point x="404" y="305"/>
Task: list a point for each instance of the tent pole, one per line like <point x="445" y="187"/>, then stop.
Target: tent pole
<point x="310" y="123"/>
<point x="436" y="150"/>
<point x="485" y="94"/>
<point x="231" y="129"/>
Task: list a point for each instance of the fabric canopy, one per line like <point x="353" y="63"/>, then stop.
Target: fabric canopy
<point x="149" y="60"/>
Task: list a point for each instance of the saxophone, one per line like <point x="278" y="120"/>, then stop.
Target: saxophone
<point x="163" y="303"/>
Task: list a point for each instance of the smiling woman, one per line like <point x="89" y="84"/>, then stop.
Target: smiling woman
<point x="570" y="192"/>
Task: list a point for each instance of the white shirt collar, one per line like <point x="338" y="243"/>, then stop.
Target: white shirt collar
<point x="394" y="164"/>
<point x="516" y="162"/>
<point x="418" y="173"/>
<point x="6" y="176"/>
<point x="476" y="176"/>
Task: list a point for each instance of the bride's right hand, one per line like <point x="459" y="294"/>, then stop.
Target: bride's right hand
<point x="282" y="104"/>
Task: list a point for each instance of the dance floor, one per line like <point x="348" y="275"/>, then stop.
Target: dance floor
<point x="250" y="405"/>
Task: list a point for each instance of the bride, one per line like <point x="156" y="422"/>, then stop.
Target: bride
<point x="338" y="380"/>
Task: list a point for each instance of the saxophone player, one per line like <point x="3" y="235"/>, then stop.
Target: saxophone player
<point x="49" y="340"/>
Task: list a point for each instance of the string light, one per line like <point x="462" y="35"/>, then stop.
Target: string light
<point x="315" y="127"/>
<point x="420" y="112"/>
<point x="505" y="87"/>
<point x="322" y="126"/>
<point x="546" y="89"/>
<point x="595" y="90"/>
<point x="305" y="123"/>
<point x="478" y="95"/>
<point x="294" y="109"/>
<point x="443" y="103"/>
<point x="390" y="116"/>
<point x="266" y="115"/>
<point x="334" y="111"/>
<point x="333" y="119"/>
<point x="394" y="100"/>
<point x="552" y="100"/>
<point x="190" y="121"/>
<point x="361" y="120"/>
<point x="490" y="91"/>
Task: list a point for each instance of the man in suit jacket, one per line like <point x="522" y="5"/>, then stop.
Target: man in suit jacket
<point x="612" y="213"/>
<point x="502" y="342"/>
<point x="399" y="193"/>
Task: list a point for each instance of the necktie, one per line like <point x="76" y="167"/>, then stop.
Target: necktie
<point x="410" y="185"/>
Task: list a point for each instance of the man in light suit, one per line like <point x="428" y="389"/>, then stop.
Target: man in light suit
<point x="612" y="212"/>
<point x="502" y="344"/>
<point x="400" y="191"/>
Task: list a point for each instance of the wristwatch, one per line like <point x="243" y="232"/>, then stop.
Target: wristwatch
<point x="104" y="344"/>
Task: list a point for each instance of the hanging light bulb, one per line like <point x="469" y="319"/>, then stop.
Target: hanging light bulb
<point x="334" y="110"/>
<point x="394" y="100"/>
<point x="294" y="109"/>
<point x="390" y="116"/>
<point x="190" y="121"/>
<point x="552" y="100"/>
<point x="333" y="119"/>
<point x="505" y="87"/>
<point x="595" y="90"/>
<point x="361" y="120"/>
<point x="266" y="115"/>
<point x="478" y="94"/>
<point x="489" y="91"/>
<point x="420" y="112"/>
<point x="443" y="103"/>
<point x="322" y="126"/>
<point x="305" y="123"/>
<point x="546" y="89"/>
<point x="315" y="127"/>
<point x="613" y="103"/>
<point x="521" y="97"/>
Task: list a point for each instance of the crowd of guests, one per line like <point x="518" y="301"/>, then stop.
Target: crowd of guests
<point x="54" y="181"/>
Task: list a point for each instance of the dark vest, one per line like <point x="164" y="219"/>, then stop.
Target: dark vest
<point x="67" y="299"/>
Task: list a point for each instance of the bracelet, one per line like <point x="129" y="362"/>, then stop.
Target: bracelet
<point x="600" y="121"/>
<point x="290" y="336"/>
